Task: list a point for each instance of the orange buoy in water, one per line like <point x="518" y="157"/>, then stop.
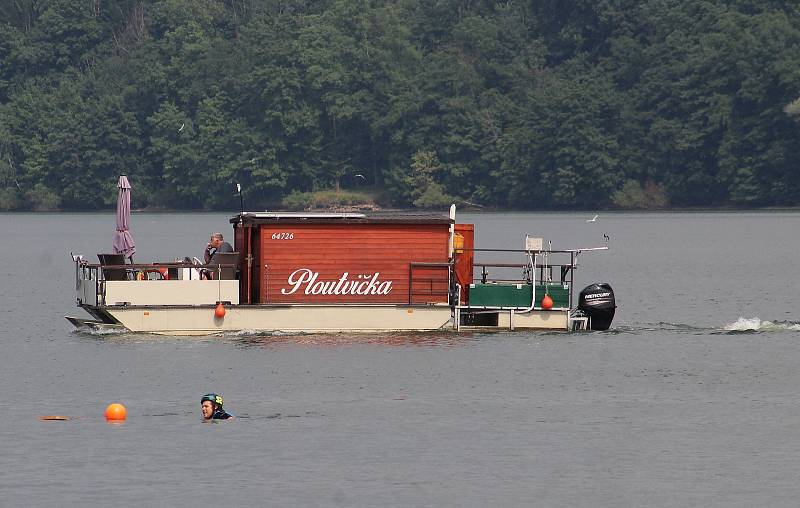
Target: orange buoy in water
<point x="116" y="412"/>
<point x="219" y="312"/>
<point x="547" y="302"/>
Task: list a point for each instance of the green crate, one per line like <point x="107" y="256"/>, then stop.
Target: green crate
<point x="516" y="295"/>
<point x="557" y="292"/>
<point x="500" y="295"/>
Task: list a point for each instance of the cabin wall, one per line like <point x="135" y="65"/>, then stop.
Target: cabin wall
<point x="353" y="263"/>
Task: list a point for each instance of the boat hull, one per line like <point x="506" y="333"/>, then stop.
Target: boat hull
<point x="201" y="320"/>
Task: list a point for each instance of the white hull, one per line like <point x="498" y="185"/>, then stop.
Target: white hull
<point x="300" y="318"/>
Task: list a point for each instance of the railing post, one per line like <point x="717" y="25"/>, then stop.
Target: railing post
<point x="410" y="281"/>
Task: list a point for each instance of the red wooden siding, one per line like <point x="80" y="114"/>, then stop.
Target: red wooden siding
<point x="360" y="250"/>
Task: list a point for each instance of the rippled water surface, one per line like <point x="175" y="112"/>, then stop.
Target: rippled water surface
<point x="690" y="400"/>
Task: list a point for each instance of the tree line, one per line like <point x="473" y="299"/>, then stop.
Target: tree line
<point x="538" y="104"/>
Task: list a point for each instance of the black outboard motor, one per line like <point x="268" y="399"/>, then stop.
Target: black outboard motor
<point x="597" y="302"/>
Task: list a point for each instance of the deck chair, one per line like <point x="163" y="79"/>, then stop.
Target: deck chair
<point x="113" y="273"/>
<point x="225" y="272"/>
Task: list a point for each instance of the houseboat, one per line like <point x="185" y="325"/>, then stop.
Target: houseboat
<point x="345" y="272"/>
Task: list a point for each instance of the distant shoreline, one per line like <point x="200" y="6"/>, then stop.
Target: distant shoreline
<point x="461" y="210"/>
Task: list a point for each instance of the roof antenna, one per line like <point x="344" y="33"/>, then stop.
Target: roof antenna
<point x="241" y="200"/>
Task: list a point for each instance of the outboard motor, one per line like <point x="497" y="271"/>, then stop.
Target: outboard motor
<point x="597" y="302"/>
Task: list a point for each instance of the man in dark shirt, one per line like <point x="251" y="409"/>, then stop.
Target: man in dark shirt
<point x="215" y="244"/>
<point x="211" y="405"/>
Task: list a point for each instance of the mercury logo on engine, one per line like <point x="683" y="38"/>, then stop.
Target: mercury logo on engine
<point x="362" y="285"/>
<point x="596" y="295"/>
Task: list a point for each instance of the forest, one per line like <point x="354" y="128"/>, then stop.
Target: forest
<point x="529" y="105"/>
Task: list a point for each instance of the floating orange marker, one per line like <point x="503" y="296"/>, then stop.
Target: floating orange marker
<point x="547" y="302"/>
<point x="116" y="413"/>
<point x="219" y="312"/>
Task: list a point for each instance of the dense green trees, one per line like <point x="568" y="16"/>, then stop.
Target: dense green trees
<point x="543" y="104"/>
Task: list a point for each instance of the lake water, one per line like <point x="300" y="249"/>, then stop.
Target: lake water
<point x="691" y="399"/>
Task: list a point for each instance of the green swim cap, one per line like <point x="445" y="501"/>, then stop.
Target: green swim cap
<point x="213" y="398"/>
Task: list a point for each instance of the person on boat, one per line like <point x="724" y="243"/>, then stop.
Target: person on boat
<point x="211" y="405"/>
<point x="216" y="244"/>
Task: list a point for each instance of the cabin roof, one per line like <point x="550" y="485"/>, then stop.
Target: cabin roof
<point x="404" y="217"/>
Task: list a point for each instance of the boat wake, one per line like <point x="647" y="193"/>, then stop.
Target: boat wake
<point x="741" y="325"/>
<point x="636" y="328"/>
<point x="91" y="330"/>
<point x="254" y="333"/>
<point x="755" y="324"/>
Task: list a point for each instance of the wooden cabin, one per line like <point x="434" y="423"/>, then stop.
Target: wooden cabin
<point x="342" y="258"/>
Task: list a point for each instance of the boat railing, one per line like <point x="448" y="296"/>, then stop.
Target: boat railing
<point x="428" y="286"/>
<point x="544" y="274"/>
<point x="544" y="267"/>
<point x="167" y="283"/>
<point x="148" y="271"/>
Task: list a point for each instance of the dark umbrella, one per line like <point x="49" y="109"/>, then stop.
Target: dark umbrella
<point x="123" y="241"/>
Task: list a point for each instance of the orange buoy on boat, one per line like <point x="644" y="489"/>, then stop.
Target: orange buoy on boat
<point x="116" y="412"/>
<point x="219" y="312"/>
<point x="547" y="302"/>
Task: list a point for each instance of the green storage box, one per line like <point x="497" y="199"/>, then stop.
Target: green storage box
<point x="500" y="295"/>
<point x="515" y="295"/>
<point x="557" y="292"/>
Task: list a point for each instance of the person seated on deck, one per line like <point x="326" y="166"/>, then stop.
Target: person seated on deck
<point x="216" y="244"/>
<point x="211" y="405"/>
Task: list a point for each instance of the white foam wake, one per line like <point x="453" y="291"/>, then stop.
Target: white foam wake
<point x="101" y="331"/>
<point x="247" y="332"/>
<point x="757" y="324"/>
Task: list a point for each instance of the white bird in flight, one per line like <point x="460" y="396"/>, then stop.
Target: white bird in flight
<point x="593" y="219"/>
<point x="182" y="126"/>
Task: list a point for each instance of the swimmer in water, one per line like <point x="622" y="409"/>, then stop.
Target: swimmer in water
<point x="211" y="405"/>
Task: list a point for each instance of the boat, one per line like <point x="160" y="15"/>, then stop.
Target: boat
<point x="345" y="272"/>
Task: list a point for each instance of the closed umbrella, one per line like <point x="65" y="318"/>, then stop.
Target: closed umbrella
<point x="123" y="241"/>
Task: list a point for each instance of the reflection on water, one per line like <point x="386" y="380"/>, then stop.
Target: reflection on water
<point x="419" y="339"/>
<point x="255" y="338"/>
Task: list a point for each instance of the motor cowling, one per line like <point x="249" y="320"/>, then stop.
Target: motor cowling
<point x="597" y="302"/>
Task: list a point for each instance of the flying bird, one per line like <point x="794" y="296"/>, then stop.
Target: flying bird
<point x="593" y="219"/>
<point x="182" y="126"/>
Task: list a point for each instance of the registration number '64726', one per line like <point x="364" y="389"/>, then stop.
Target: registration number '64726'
<point x="282" y="236"/>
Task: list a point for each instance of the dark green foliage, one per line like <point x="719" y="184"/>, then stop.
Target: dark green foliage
<point x="552" y="104"/>
<point x="329" y="199"/>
